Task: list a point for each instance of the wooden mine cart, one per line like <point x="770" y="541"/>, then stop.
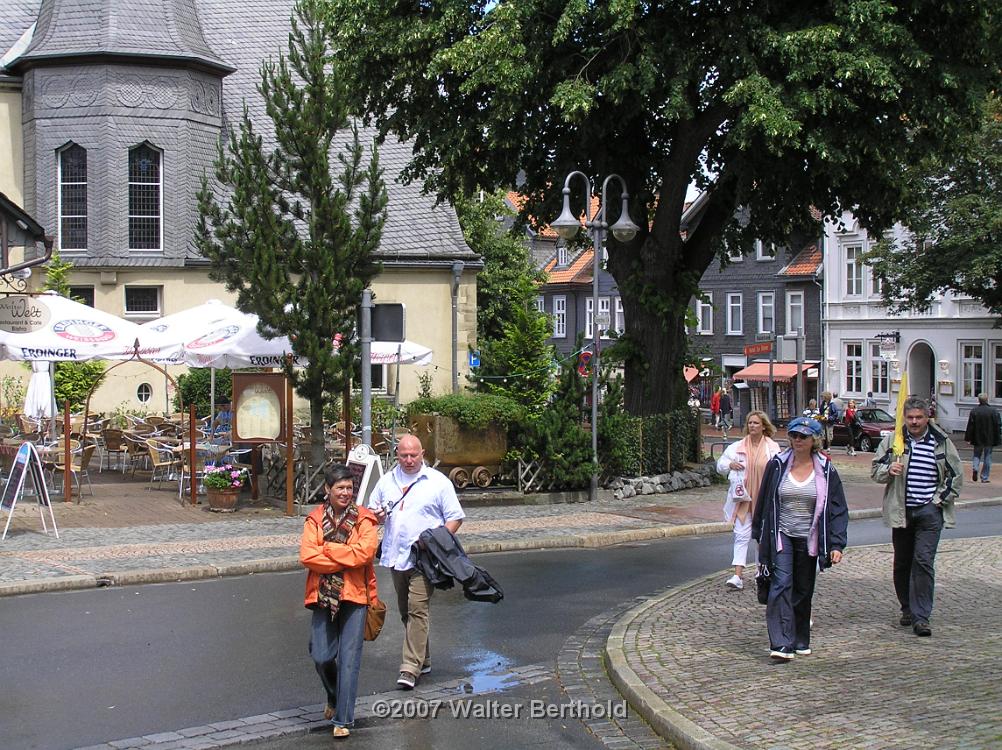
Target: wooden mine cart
<point x="464" y="454"/>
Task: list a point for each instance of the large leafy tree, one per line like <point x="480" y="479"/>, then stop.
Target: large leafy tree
<point x="954" y="222"/>
<point x="774" y="107"/>
<point x="297" y="224"/>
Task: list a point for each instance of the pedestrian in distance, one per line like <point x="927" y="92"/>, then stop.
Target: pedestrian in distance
<point x="920" y="488"/>
<point x="851" y="420"/>
<point x="984" y="432"/>
<point x="743" y="463"/>
<point x="409" y="500"/>
<point x="868" y="402"/>
<point x="726" y="412"/>
<point x="715" y="407"/>
<point x="829" y="416"/>
<point x="337" y="548"/>
<point x="801" y="524"/>
<point x="811" y="412"/>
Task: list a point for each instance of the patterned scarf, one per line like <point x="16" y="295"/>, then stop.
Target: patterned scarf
<point x="336" y="529"/>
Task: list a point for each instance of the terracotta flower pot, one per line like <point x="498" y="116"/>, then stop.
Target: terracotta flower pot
<point x="222" y="501"/>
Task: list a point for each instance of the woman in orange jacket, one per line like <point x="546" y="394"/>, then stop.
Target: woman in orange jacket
<point x="338" y="546"/>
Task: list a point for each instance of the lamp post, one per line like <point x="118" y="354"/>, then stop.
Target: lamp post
<point x="567" y="225"/>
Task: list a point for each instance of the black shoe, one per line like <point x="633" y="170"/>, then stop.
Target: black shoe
<point x="974" y="476"/>
<point x="906" y="619"/>
<point x="922" y="629"/>
<point x="784" y="653"/>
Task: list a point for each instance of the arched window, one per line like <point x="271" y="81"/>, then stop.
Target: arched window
<point x="145" y="198"/>
<point x="73" y="198"/>
<point x="144" y="393"/>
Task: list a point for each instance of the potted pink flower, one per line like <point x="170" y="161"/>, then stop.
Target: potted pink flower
<point x="222" y="485"/>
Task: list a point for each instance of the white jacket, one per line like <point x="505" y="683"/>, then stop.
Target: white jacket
<point x="736" y="491"/>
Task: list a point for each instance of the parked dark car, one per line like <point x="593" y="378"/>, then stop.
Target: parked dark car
<point x="873" y="421"/>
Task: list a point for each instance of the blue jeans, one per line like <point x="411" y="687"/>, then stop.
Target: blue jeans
<point x="982" y="455"/>
<point x="336" y="648"/>
<point x="788" y="612"/>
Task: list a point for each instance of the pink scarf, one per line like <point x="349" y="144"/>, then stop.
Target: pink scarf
<point x="756" y="457"/>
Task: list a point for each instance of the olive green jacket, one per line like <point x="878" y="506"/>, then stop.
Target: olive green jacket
<point x="948" y="466"/>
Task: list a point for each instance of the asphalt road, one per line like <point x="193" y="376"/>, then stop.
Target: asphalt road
<point x="84" y="667"/>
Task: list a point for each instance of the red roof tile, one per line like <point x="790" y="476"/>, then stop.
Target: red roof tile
<point x="805" y="263"/>
<point x="578" y="272"/>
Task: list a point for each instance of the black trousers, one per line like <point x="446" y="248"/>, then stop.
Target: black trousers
<point x="914" y="559"/>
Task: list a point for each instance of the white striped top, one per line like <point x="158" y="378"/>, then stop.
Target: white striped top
<point x="796" y="506"/>
<point x="922" y="476"/>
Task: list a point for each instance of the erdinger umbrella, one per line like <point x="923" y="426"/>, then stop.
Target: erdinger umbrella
<point x="187" y="325"/>
<point x="52" y="328"/>
<point x="38" y="399"/>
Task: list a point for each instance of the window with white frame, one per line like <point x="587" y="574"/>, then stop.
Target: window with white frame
<point x="735" y="315"/>
<point x="997" y="371"/>
<point x="972" y="365"/>
<point x="560" y="316"/>
<point x="83" y="294"/>
<point x="854" y="270"/>
<point x="604" y="313"/>
<point x="853" y="367"/>
<point x="561" y="255"/>
<point x="704" y="315"/>
<point x="145" y="198"/>
<point x="766" y="312"/>
<point x="876" y="283"/>
<point x="73" y="198"/>
<point x="589" y="317"/>
<point x="878" y="370"/>
<point x="540" y="303"/>
<point x="735" y="256"/>
<point x="794" y="312"/>
<point x="620" y="317"/>
<point x="143" y="301"/>
<point x="765" y="250"/>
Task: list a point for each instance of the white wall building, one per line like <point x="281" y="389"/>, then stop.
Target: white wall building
<point x="951" y="351"/>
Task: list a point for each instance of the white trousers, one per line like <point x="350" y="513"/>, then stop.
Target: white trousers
<point x="742" y="536"/>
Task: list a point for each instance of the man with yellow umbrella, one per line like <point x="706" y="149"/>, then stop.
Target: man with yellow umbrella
<point x="922" y="475"/>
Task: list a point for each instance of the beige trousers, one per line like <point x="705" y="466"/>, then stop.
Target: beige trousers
<point x="413" y="599"/>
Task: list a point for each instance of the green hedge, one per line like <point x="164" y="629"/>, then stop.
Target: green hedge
<point x="636" y="446"/>
<point x="476" y="410"/>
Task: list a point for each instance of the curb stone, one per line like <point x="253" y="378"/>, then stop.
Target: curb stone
<point x="291" y="562"/>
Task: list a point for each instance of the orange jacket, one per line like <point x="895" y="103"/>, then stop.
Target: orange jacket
<point x="353" y="558"/>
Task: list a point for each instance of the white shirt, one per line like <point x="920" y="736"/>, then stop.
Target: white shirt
<point x="429" y="503"/>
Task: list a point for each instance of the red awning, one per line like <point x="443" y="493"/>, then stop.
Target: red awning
<point x="782" y="372"/>
<point x="690" y="374"/>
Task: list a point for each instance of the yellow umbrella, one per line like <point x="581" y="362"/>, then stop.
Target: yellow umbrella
<point x="898" y="447"/>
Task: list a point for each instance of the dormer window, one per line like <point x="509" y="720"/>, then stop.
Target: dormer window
<point x="561" y="255"/>
<point x="73" y="198"/>
<point x="145" y="198"/>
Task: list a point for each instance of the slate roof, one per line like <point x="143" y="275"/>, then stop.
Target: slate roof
<point x="578" y="271"/>
<point x="143" y="28"/>
<point x="238" y="35"/>
<point x="807" y="262"/>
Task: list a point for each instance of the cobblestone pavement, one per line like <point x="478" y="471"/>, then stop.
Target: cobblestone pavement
<point x="696" y="662"/>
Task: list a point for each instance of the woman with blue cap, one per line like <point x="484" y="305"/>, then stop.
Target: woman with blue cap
<point x="800" y="523"/>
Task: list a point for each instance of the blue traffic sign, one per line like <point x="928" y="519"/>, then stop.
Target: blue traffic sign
<point x="475" y="358"/>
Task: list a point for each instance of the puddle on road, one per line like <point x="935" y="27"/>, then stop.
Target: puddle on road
<point x="488" y="673"/>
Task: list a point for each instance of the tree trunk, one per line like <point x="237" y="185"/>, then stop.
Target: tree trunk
<point x="654" y="379"/>
<point x="317" y="455"/>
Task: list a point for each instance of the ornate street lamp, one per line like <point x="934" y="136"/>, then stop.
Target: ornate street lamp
<point x="567" y="225"/>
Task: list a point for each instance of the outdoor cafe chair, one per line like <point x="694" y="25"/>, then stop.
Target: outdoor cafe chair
<point x="112" y="442"/>
<point x="163" y="460"/>
<point x="79" y="465"/>
<point x="137" y="451"/>
<point x="187" y="474"/>
<point x="154" y="421"/>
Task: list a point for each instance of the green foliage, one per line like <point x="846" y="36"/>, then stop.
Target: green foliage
<point x="12" y="392"/>
<point x="318" y="195"/>
<point x="773" y="107"/>
<point x="476" y="410"/>
<point x="120" y="415"/>
<point x="424" y="384"/>
<point x="618" y="432"/>
<point x="519" y="365"/>
<point x="508" y="282"/>
<point x="557" y="436"/>
<point x="57" y="275"/>
<point x="194" y="387"/>
<point x="75" y="380"/>
<point x="955" y="224"/>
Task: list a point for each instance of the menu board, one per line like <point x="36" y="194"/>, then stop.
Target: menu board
<point x="366" y="470"/>
<point x="258" y="407"/>
<point x="27" y="464"/>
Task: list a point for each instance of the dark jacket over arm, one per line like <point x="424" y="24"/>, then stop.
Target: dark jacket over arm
<point x="442" y="560"/>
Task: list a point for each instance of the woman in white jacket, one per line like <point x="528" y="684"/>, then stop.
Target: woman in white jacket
<point x="743" y="463"/>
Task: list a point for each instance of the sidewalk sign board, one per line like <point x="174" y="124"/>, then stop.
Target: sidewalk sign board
<point x="26" y="462"/>
<point x="365" y="469"/>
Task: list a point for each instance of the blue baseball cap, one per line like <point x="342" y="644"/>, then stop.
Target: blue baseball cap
<point x="805" y="426"/>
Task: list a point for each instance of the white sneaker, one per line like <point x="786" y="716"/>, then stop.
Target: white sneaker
<point x="735" y="583"/>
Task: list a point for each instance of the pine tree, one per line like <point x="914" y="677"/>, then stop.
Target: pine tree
<point x="520" y="363"/>
<point x="294" y="238"/>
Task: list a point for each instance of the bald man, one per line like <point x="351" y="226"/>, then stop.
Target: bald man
<point x="409" y="500"/>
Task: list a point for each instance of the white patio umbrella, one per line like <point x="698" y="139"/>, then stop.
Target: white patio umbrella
<point x="38" y="399"/>
<point x="399" y="353"/>
<point x="53" y="328"/>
